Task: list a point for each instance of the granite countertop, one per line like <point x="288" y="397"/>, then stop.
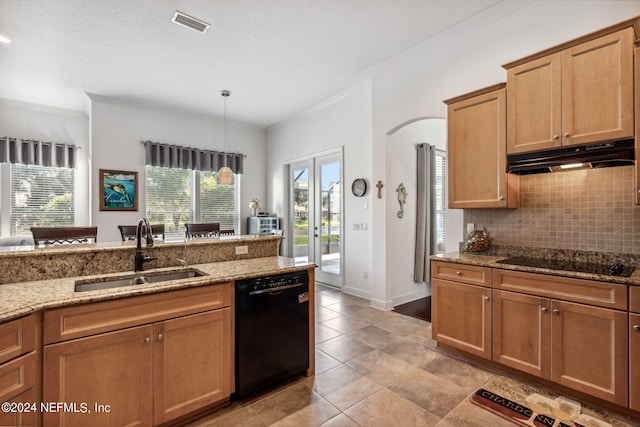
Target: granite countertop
<point x="491" y="261"/>
<point x="19" y="299"/>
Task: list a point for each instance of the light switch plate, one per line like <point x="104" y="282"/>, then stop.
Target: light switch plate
<point x="241" y="250"/>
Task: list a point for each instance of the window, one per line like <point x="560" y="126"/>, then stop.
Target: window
<point x="441" y="201"/>
<point x="218" y="202"/>
<point x="40" y="196"/>
<point x="176" y="196"/>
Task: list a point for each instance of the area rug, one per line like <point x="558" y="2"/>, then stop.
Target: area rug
<point x="420" y="309"/>
<point x="527" y="405"/>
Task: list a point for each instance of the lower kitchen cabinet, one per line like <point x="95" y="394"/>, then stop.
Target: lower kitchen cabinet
<point x="461" y="316"/>
<point x="22" y="416"/>
<point x="521" y="332"/>
<point x="555" y="339"/>
<point x="20" y="370"/>
<point x="140" y="375"/>
<point x="114" y="369"/>
<point x="192" y="363"/>
<point x="634" y="357"/>
<point x="589" y="350"/>
<point x="574" y="332"/>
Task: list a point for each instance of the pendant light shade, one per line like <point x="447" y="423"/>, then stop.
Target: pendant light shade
<point x="225" y="174"/>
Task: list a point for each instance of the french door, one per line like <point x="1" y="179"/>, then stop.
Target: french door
<point x="316" y="215"/>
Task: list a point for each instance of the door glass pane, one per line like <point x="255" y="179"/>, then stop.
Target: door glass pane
<point x="300" y="187"/>
<point x="330" y="225"/>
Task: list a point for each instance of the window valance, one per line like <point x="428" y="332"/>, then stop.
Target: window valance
<point x="31" y="152"/>
<point x="176" y="156"/>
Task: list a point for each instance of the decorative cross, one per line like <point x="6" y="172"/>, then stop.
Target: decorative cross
<point x="379" y="185"/>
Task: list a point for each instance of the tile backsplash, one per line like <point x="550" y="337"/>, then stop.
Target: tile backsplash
<point x="590" y="210"/>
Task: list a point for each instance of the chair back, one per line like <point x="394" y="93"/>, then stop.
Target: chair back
<point x="208" y="229"/>
<point x="63" y="235"/>
<point x="128" y="232"/>
<point x="227" y="232"/>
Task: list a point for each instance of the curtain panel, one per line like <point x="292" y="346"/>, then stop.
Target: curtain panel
<point x="31" y="152"/>
<point x="176" y="156"/>
<point x="426" y="212"/>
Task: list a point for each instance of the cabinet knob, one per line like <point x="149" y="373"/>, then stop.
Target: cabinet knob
<point x="147" y="340"/>
<point x="486" y="298"/>
<point x="566" y="134"/>
<point x="556" y="136"/>
<point x="160" y="337"/>
<point x="556" y="311"/>
<point x="501" y="198"/>
<point x="459" y="273"/>
<point x="636" y="328"/>
<point x="543" y="309"/>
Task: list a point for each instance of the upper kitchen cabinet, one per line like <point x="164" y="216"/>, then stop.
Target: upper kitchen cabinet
<point x="576" y="93"/>
<point x="477" y="160"/>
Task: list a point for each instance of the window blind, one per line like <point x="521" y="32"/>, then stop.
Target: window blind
<point x="41" y="196"/>
<point x="218" y="202"/>
<point x="169" y="199"/>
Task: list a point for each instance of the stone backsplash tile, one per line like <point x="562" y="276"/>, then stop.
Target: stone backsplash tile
<point x="590" y="210"/>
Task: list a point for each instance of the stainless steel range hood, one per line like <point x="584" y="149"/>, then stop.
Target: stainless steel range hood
<point x="589" y="156"/>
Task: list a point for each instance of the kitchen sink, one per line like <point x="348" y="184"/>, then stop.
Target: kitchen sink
<point x="83" y="285"/>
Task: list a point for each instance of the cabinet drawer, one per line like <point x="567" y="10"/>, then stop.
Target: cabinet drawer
<point x="601" y="294"/>
<point x="634" y="299"/>
<point x="17" y="376"/>
<point x="90" y="319"/>
<point x="463" y="273"/>
<point x="17" y="337"/>
<point x="23" y="418"/>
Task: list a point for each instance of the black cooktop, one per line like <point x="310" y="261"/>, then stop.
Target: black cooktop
<point x="616" y="269"/>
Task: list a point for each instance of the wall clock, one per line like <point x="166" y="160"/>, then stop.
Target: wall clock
<point x="359" y="187"/>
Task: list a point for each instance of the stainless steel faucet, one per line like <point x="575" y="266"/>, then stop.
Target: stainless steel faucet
<point x="140" y="258"/>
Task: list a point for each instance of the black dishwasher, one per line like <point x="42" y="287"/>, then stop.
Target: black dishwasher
<point x="272" y="330"/>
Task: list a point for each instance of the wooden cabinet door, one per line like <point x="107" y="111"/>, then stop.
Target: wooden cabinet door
<point x="598" y="367"/>
<point x="477" y="162"/>
<point x="112" y="369"/>
<point x="534" y="105"/>
<point x="461" y="317"/>
<point x="634" y="361"/>
<point x="192" y="366"/>
<point x="597" y="89"/>
<point x="522" y="332"/>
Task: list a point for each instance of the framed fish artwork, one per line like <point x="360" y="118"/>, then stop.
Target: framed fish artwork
<point x="118" y="190"/>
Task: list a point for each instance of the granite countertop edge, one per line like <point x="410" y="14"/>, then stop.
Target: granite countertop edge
<point x="491" y="261"/>
<point x="20" y="299"/>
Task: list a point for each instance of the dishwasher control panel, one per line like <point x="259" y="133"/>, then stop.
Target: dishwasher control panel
<point x="275" y="282"/>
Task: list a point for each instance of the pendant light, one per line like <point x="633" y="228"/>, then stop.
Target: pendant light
<point x="225" y="175"/>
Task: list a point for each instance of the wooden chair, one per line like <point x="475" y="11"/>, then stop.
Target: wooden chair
<point x="208" y="229"/>
<point x="128" y="232"/>
<point x="63" y="235"/>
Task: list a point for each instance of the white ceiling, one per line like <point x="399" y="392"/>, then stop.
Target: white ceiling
<point x="277" y="57"/>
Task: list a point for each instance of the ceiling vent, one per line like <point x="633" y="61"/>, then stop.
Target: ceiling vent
<point x="189" y="22"/>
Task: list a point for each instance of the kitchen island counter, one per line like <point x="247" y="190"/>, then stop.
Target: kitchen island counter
<point x="19" y="299"/>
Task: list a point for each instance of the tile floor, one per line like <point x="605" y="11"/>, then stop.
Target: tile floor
<point x="373" y="368"/>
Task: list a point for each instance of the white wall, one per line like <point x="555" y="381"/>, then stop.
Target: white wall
<point x="413" y="85"/>
<point x="39" y="122"/>
<point x="117" y="129"/>
<point x="400" y="232"/>
<point x="343" y="123"/>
